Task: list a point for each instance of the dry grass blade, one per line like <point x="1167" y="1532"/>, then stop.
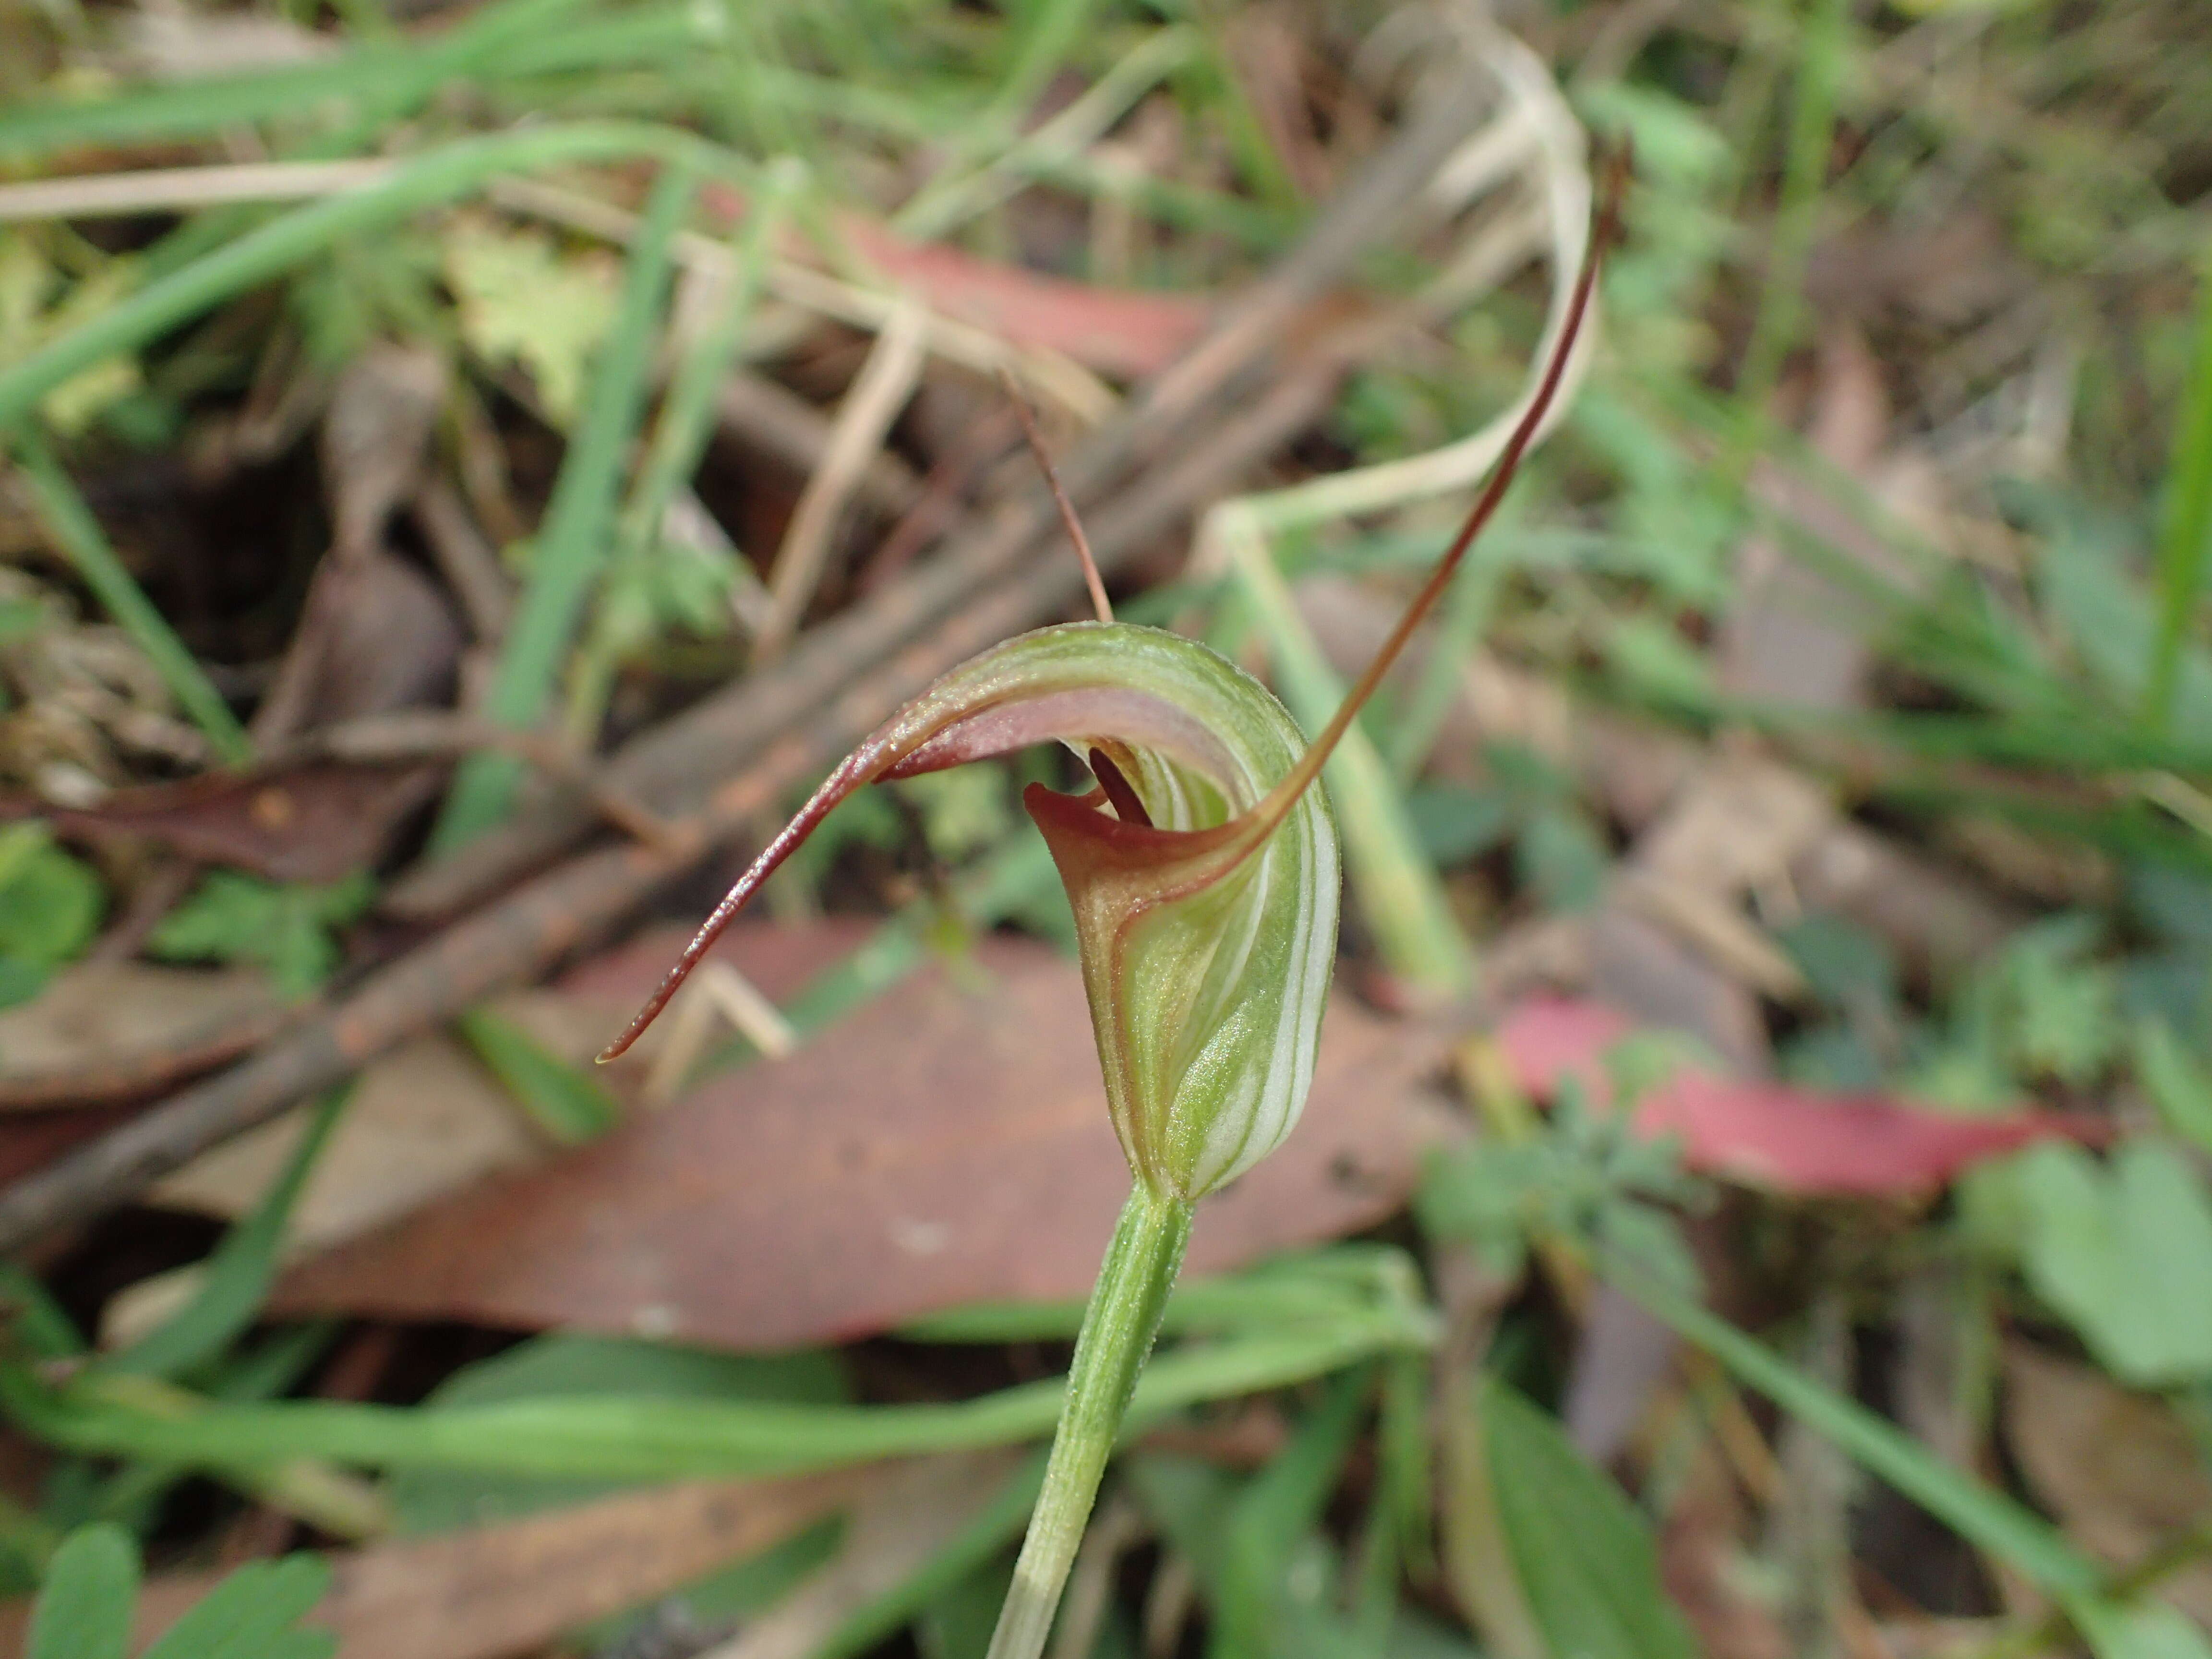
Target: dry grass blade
<point x="182" y="190"/>
<point x="886" y="380"/>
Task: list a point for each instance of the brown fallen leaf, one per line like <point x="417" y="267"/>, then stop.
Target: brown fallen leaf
<point x="424" y="1121"/>
<point x="1119" y="331"/>
<point x="374" y="634"/>
<point x="893" y="1533"/>
<point x="375" y="436"/>
<point x="947" y="1144"/>
<point x="510" y="1589"/>
<point x="1646" y="970"/>
<point x="1623" y="1358"/>
<point x="2120" y="1472"/>
<point x="102" y="1032"/>
<point x="310" y="821"/>
<point x="1741" y="823"/>
<point x="427" y="1119"/>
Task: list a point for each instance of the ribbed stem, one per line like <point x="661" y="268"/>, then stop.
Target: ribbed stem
<point x="1118" y="1329"/>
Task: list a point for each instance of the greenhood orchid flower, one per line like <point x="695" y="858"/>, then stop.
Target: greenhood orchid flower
<point x="1203" y="869"/>
<point x="1206" y="917"/>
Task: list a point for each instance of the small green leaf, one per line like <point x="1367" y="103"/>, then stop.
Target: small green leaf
<point x="567" y="1105"/>
<point x="1653" y="661"/>
<point x="253" y="1614"/>
<point x="2123" y="1250"/>
<point x="239" y="1273"/>
<point x="91" y="1590"/>
<point x="1583" y="1554"/>
<point x="1847" y="966"/>
<point x="520" y="302"/>
<point x="49" y="906"/>
<point x="236" y="918"/>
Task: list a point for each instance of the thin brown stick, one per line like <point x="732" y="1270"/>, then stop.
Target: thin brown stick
<point x="1073" y="525"/>
<point x="381" y="739"/>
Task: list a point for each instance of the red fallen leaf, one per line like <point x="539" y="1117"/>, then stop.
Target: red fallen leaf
<point x="1809" y="1142"/>
<point x="311" y="821"/>
<point x="948" y="1143"/>
<point x="1117" y="332"/>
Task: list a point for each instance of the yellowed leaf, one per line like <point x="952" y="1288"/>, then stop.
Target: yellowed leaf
<point x="523" y="303"/>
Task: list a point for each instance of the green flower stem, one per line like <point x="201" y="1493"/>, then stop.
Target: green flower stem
<point x="1118" y="1329"/>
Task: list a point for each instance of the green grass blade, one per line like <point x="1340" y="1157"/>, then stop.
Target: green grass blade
<point x="239" y="1273"/>
<point x="680" y="436"/>
<point x="646" y="1439"/>
<point x="284" y="243"/>
<point x="565" y="1102"/>
<point x="1821" y="44"/>
<point x="70" y="523"/>
<point x="687" y="415"/>
<point x="38" y="1324"/>
<point x="193" y="108"/>
<point x="1317" y="1289"/>
<point x="573" y="544"/>
<point x="1273" y="1514"/>
<point x="2185" y="530"/>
